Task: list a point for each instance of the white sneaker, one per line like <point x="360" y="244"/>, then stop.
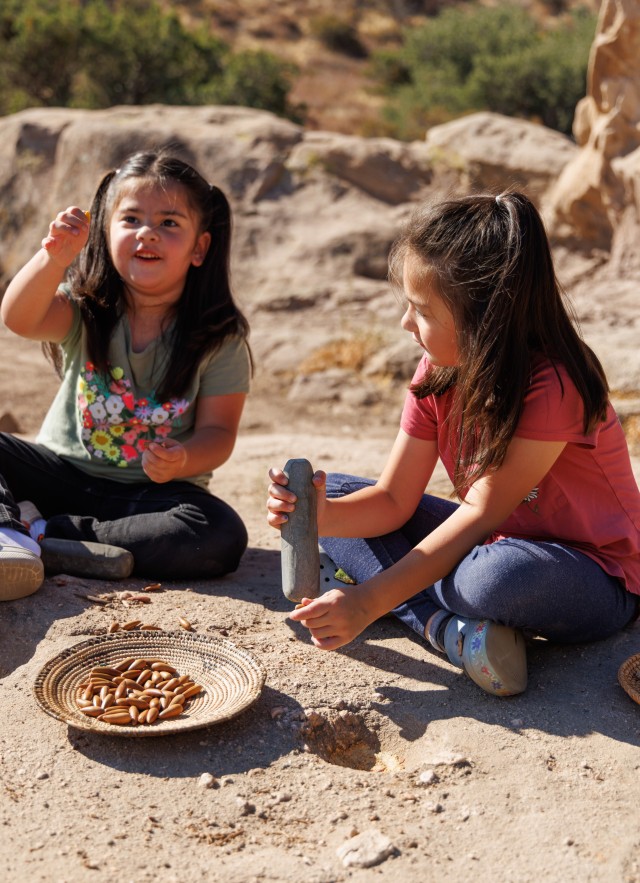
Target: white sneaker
<point x="21" y="572"/>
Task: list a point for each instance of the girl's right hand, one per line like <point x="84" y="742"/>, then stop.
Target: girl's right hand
<point x="68" y="235"/>
<point x="281" y="501"/>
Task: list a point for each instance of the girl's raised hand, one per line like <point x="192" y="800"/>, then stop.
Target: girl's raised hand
<point x="68" y="235"/>
<point x="282" y="501"/>
<point x="163" y="461"/>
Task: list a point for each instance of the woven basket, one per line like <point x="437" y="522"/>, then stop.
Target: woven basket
<point x="629" y="677"/>
<point x="231" y="678"/>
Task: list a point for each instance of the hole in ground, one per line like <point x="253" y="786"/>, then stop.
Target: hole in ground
<point x="344" y="739"/>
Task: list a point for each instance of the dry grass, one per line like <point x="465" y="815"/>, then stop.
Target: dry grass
<point x="348" y="353"/>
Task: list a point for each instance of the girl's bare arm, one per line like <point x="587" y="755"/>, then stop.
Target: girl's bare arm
<point x="372" y="511"/>
<point x="32" y="305"/>
<point x="337" y="617"/>
<point x="213" y="440"/>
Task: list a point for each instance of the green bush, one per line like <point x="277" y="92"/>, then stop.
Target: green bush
<point x="481" y="58"/>
<point x="97" y="53"/>
<point x="338" y="35"/>
<point x="254" y="78"/>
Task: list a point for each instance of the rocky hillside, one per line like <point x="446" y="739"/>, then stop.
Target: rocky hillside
<point x="334" y="84"/>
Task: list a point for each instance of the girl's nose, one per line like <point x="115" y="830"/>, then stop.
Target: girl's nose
<point x="406" y="323"/>
<point x="146" y="231"/>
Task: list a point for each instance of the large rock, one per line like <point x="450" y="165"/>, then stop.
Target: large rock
<point x="499" y="152"/>
<point x="594" y="204"/>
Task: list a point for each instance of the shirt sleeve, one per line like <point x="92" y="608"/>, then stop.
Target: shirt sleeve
<point x="227" y="370"/>
<point x="553" y="409"/>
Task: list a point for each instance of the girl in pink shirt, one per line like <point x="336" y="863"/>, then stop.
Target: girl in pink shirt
<point x="545" y="533"/>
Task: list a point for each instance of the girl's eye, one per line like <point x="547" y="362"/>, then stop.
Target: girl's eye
<point x="169" y="222"/>
<point x="129" y="219"/>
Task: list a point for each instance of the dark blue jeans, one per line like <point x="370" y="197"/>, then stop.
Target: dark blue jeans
<point x="175" y="530"/>
<point x="544" y="587"/>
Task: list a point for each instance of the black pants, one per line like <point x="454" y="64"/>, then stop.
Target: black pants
<point x="175" y="530"/>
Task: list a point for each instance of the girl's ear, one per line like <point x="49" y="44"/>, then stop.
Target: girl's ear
<point x="201" y="248"/>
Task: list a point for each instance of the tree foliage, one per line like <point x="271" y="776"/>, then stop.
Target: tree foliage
<point x="97" y="53"/>
<point x="486" y="58"/>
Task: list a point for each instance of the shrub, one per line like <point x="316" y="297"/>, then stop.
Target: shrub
<point x="484" y="58"/>
<point x="96" y="53"/>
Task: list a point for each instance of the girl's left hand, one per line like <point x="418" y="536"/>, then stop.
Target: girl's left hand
<point x="335" y="618"/>
<point x="162" y="461"/>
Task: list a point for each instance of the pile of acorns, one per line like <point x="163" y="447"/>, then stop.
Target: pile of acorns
<point x="136" y="691"/>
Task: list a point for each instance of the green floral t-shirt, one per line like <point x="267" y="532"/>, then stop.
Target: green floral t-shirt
<point x="103" y="423"/>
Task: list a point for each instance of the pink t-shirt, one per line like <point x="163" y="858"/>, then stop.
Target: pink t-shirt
<point x="588" y="500"/>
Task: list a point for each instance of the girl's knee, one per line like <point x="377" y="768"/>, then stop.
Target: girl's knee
<point x="340" y="484"/>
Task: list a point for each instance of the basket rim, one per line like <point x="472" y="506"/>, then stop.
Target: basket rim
<point x="52" y="675"/>
<point x="629" y="677"/>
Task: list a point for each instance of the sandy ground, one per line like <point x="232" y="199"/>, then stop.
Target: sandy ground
<point x="383" y="740"/>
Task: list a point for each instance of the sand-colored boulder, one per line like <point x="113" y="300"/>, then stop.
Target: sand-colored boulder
<point x="589" y="205"/>
<point x="498" y="152"/>
<point x="388" y="170"/>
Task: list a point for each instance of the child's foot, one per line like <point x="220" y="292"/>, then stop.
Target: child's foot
<point x="80" y="558"/>
<point x="494" y="656"/>
<point x="21" y="570"/>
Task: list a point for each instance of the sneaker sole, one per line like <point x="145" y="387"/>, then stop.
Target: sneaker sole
<point x="80" y="558"/>
<point x="21" y="574"/>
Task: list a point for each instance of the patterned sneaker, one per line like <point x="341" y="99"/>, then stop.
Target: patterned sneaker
<point x="494" y="656"/>
<point x="80" y="558"/>
<point x="21" y="572"/>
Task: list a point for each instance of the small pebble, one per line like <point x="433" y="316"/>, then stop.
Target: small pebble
<point x="206" y="780"/>
<point x="246" y="808"/>
<point x="366" y="850"/>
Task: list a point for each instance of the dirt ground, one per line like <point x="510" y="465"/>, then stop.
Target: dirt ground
<point x="383" y="740"/>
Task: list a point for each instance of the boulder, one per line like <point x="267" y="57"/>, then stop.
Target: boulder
<point x="590" y="204"/>
<point x="498" y="152"/>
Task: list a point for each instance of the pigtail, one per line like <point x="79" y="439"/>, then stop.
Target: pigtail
<point x="95" y="285"/>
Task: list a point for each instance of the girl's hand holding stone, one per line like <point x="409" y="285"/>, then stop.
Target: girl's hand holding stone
<point x="163" y="461"/>
<point x="68" y="235"/>
<point x="335" y="618"/>
<point x="282" y="501"/>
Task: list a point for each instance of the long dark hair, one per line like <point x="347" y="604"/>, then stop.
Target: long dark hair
<point x="206" y="313"/>
<point x="492" y="262"/>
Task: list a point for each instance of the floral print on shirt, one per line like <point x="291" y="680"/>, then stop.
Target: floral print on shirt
<point x="116" y="426"/>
